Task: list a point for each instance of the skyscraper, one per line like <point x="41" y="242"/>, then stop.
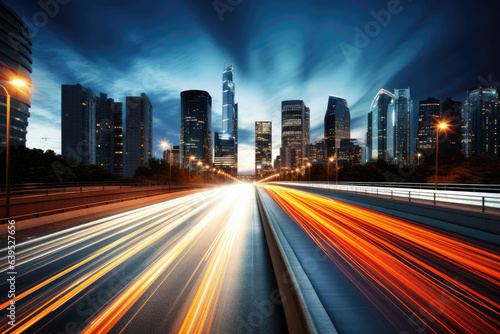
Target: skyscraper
<point x="480" y="122"/>
<point x="229" y="108"/>
<point x="403" y="121"/>
<point x="428" y="114"/>
<point x="294" y="133"/>
<point x="337" y="123"/>
<point x="119" y="149"/>
<point x="263" y="149"/>
<point x="15" y="63"/>
<point x="450" y="142"/>
<point x="139" y="133"/>
<point x="196" y="127"/>
<point x="369" y="134"/>
<point x="226" y="158"/>
<point x="78" y="123"/>
<point x="109" y="135"/>
<point x="382" y="111"/>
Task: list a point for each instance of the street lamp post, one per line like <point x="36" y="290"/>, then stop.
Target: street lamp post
<point x="418" y="158"/>
<point x="297" y="170"/>
<point x="309" y="167"/>
<point x="336" y="168"/>
<point x="18" y="83"/>
<point x="191" y="158"/>
<point x="197" y="165"/>
<point x="441" y="126"/>
<point x="168" y="147"/>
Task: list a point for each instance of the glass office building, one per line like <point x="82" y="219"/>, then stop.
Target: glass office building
<point x="196" y="128"/>
<point x="263" y="149"/>
<point x="337" y="123"/>
<point x="480" y="122"/>
<point x="427" y="119"/>
<point x="382" y="111"/>
<point x="295" y="118"/>
<point x="403" y="121"/>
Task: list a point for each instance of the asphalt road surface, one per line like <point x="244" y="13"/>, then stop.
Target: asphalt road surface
<point x="385" y="274"/>
<point x="195" y="264"/>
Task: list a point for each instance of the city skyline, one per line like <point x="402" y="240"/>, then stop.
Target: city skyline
<point x="135" y="61"/>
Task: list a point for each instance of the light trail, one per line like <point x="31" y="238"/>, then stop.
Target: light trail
<point x="111" y="255"/>
<point x="412" y="273"/>
<point x="217" y="257"/>
<point x="161" y="239"/>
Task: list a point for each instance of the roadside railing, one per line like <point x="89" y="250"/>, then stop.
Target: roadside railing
<point x="45" y="189"/>
<point x="483" y="199"/>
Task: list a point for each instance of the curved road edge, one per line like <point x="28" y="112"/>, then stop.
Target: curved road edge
<point x="303" y="309"/>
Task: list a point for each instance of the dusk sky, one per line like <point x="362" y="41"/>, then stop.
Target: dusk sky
<point x="280" y="50"/>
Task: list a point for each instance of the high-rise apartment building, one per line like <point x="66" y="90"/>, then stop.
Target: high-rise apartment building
<point x="78" y="123"/>
<point x="295" y="135"/>
<point x="15" y="63"/>
<point x="337" y="123"/>
<point x="427" y="119"/>
<point x="109" y="135"/>
<point x="263" y="149"/>
<point x="138" y="133"/>
<point x="480" y="122"/>
<point x="403" y="121"/>
<point x="196" y="128"/>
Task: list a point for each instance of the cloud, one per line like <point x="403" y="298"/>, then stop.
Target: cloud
<point x="280" y="50"/>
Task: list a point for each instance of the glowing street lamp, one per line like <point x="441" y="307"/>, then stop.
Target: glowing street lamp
<point x="328" y="168"/>
<point x="297" y="170"/>
<point x="418" y="158"/>
<point x="309" y="167"/>
<point x="19" y="84"/>
<point x="165" y="146"/>
<point x="441" y="126"/>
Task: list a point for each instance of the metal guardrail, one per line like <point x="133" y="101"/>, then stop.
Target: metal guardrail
<point x="430" y="186"/>
<point x="473" y="198"/>
<point x="154" y="192"/>
<point x="33" y="189"/>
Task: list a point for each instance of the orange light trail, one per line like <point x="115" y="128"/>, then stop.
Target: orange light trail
<point x="113" y="254"/>
<point x="403" y="266"/>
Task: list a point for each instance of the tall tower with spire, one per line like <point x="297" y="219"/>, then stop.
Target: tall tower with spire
<point x="226" y="142"/>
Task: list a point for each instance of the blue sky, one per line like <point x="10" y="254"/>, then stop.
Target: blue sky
<point x="280" y="50"/>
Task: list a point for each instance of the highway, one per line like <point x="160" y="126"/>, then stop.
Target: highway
<point x="386" y="274"/>
<point x="195" y="264"/>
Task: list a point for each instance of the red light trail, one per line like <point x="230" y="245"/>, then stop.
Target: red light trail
<point x="414" y="274"/>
